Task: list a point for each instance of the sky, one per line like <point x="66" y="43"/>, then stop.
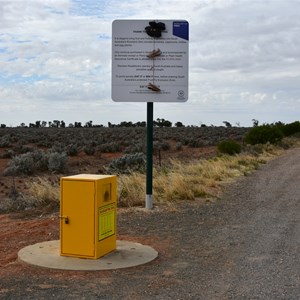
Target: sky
<point x="244" y="61"/>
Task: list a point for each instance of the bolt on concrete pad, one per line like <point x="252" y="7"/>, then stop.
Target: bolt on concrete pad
<point x="47" y="255"/>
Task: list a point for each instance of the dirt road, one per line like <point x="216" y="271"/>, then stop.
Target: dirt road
<point x="243" y="246"/>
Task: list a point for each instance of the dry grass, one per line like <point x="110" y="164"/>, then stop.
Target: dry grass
<point x="188" y="181"/>
<point x="42" y="192"/>
<point x="179" y="181"/>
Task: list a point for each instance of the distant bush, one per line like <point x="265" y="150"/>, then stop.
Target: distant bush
<point x="110" y="148"/>
<point x="30" y="162"/>
<point x="89" y="150"/>
<point x="178" y="146"/>
<point x="40" y="159"/>
<point x="57" y="147"/>
<point x="25" y="149"/>
<point x="72" y="150"/>
<point x="135" y="148"/>
<point x="5" y="141"/>
<point x="229" y="147"/>
<point x="161" y="145"/>
<point x="8" y="154"/>
<point x="57" y="162"/>
<point x="290" y="129"/>
<point x="21" y="164"/>
<point x="129" y="163"/>
<point x="264" y="134"/>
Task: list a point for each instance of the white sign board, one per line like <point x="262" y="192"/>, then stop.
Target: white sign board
<point x="150" y="60"/>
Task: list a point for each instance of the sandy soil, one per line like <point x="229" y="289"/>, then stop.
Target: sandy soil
<point x="242" y="246"/>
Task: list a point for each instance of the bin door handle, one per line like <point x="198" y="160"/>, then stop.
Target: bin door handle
<point x="66" y="218"/>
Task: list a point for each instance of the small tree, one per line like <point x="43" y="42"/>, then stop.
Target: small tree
<point x="227" y="124"/>
<point x="179" y="124"/>
<point x="255" y="122"/>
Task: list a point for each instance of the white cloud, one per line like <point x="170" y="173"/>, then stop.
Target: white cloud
<point x="244" y="57"/>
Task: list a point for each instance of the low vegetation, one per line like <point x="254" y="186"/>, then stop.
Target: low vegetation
<point x="204" y="178"/>
<point x="229" y="147"/>
<point x="37" y="155"/>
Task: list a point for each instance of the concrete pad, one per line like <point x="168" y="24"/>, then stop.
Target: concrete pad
<point x="47" y="254"/>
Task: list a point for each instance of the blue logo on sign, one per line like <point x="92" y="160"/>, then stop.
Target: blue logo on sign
<point x="181" y="29"/>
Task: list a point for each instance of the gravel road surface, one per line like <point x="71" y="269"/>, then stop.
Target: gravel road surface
<point x="245" y="245"/>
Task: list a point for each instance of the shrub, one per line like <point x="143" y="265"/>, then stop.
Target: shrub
<point x="129" y="163"/>
<point x="5" y="141"/>
<point x="72" y="150"/>
<point x="229" y="147"/>
<point x="25" y="149"/>
<point x="110" y="148"/>
<point x="158" y="145"/>
<point x="89" y="150"/>
<point x="135" y="148"/>
<point x="291" y="128"/>
<point x="27" y="163"/>
<point x="21" y="164"/>
<point x="40" y="159"/>
<point x="8" y="154"/>
<point x="57" y="161"/>
<point x="264" y="134"/>
<point x="178" y="146"/>
<point x="57" y="147"/>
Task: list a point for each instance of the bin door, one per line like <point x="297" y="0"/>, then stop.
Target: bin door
<point x="77" y="204"/>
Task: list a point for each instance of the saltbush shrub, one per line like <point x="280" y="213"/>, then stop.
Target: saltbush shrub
<point x="109" y="147"/>
<point x="8" y="154"/>
<point x="72" y="150"/>
<point x="161" y="145"/>
<point x="128" y="163"/>
<point x="229" y="147"/>
<point x="264" y="134"/>
<point x="89" y="150"/>
<point x="5" y="141"/>
<point x="40" y="159"/>
<point x="30" y="162"/>
<point x="178" y="146"/>
<point x="20" y="164"/>
<point x="57" y="161"/>
<point x="135" y="148"/>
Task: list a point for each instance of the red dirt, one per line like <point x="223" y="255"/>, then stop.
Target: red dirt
<point x="18" y="230"/>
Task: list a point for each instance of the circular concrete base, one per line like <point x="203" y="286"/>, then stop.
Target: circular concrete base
<point x="47" y="254"/>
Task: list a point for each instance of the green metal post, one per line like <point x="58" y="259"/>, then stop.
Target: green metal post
<point x="149" y="201"/>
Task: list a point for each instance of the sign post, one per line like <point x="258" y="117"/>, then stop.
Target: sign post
<point x="149" y="175"/>
<point x="150" y="64"/>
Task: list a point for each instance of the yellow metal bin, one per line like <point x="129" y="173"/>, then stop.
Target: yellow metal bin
<point x="88" y="215"/>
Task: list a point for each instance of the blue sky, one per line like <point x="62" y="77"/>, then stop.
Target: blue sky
<point x="55" y="61"/>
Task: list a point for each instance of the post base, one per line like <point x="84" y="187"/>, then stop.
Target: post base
<point x="149" y="202"/>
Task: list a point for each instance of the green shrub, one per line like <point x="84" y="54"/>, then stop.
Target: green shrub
<point x="229" y="147"/>
<point x="264" y="134"/>
<point x="291" y="128"/>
